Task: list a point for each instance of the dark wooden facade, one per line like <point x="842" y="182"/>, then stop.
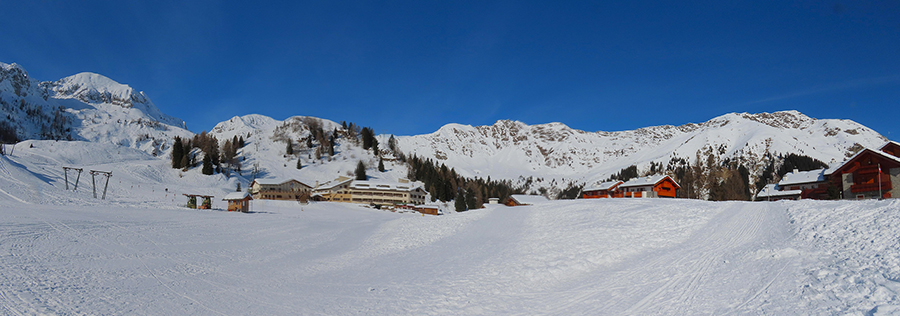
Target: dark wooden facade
<point x="866" y="175"/>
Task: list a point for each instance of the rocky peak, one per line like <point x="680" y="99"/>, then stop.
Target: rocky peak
<point x="16" y="78"/>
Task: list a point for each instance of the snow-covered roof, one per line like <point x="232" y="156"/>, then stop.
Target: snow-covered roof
<point x="604" y="186"/>
<point x="276" y="181"/>
<point x="528" y="199"/>
<point x="333" y="183"/>
<point x="384" y="185"/>
<point x="834" y="169"/>
<point x="772" y="190"/>
<point x="888" y="143"/>
<point x="236" y="196"/>
<point x="802" y="177"/>
<point x="645" y="181"/>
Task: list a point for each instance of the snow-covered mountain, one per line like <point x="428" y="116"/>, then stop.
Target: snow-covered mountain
<point x="91" y="107"/>
<point x="265" y="150"/>
<point x="85" y="106"/>
<point x="558" y="154"/>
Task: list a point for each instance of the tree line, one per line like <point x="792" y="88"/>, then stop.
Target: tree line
<point x="708" y="177"/>
<point x="216" y="158"/>
<point x="445" y="184"/>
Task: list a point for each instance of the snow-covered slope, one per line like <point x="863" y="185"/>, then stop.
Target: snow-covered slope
<point x="510" y="149"/>
<point x="141" y="252"/>
<point x="582" y="257"/>
<point x="266" y="146"/>
<point x="85" y="106"/>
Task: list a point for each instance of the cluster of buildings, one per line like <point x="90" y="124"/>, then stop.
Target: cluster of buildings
<point x="869" y="174"/>
<point x="658" y="186"/>
<point x="343" y="189"/>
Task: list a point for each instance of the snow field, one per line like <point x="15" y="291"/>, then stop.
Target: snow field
<point x="858" y="247"/>
<point x="583" y="257"/>
<point x="140" y="252"/>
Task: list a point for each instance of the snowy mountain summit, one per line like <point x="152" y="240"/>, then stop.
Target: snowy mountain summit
<point x="558" y="153"/>
<point x="85" y="106"/>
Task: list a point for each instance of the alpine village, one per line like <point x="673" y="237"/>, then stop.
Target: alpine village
<point x="870" y="173"/>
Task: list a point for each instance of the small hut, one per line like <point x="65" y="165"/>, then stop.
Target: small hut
<point x="428" y="209"/>
<point x="192" y="201"/>
<point x="238" y="201"/>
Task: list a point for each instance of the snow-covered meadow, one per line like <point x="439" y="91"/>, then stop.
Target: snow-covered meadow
<point x="140" y="252"/>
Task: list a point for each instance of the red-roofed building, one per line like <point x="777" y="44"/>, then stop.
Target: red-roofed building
<point x="603" y="190"/>
<point x="868" y="174"/>
<point x="649" y="187"/>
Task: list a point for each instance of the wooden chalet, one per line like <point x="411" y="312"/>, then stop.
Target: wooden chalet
<point x="648" y="187"/>
<point x="811" y="184"/>
<point x="521" y="200"/>
<point x="238" y="201"/>
<point x="603" y="190"/>
<point x="772" y="192"/>
<point x="274" y="189"/>
<point x="892" y="148"/>
<point x="868" y="174"/>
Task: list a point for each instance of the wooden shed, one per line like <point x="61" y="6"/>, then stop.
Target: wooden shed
<point x="428" y="209"/>
<point x="238" y="201"/>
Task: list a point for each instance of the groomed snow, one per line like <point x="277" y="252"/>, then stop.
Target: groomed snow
<point x="635" y="257"/>
<point x="141" y="252"/>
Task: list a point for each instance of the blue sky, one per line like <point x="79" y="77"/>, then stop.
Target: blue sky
<point x="409" y="67"/>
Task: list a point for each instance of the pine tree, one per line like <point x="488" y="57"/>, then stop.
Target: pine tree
<point x="299" y="166"/>
<point x="380" y="165"/>
<point x="361" y="171"/>
<point x="228" y="151"/>
<point x="238" y="187"/>
<point x="186" y="161"/>
<point x="177" y="153"/>
<point x="331" y="146"/>
<point x="207" y="165"/>
<point x="290" y="149"/>
<point x="470" y="199"/>
<point x="392" y="144"/>
<point x="241" y="142"/>
<point x="460" y="203"/>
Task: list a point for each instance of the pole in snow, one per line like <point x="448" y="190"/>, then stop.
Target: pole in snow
<point x="66" y="172"/>
<point x="93" y="183"/>
<point x="879" y="182"/>
<point x="108" y="175"/>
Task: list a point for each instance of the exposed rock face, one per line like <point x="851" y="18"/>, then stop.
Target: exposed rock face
<point x="555" y="152"/>
<point x="85" y="106"/>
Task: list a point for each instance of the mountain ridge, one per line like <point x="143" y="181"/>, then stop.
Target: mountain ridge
<point x="85" y="106"/>
<point x="557" y="152"/>
<point x="92" y="107"/>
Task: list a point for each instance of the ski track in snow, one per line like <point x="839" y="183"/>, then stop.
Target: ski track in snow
<point x="701" y="258"/>
<point x="140" y="253"/>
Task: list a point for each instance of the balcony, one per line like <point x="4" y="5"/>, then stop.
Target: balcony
<point x="868" y="187"/>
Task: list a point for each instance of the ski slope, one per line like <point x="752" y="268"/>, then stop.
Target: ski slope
<point x="637" y="257"/>
<point x="140" y="252"/>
